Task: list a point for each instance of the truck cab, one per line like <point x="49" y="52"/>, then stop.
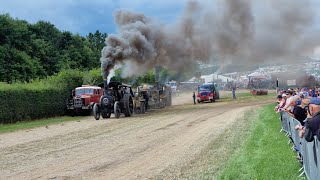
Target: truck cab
<point x="173" y="85"/>
<point x="84" y="98"/>
<point x="206" y="93"/>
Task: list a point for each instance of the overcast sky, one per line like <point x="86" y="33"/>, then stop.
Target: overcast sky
<point x="84" y="16"/>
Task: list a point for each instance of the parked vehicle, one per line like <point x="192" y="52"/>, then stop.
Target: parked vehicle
<point x="160" y="96"/>
<point x="173" y="85"/>
<point x="83" y="99"/>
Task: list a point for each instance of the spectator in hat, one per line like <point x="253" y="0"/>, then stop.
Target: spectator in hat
<point x="312" y="125"/>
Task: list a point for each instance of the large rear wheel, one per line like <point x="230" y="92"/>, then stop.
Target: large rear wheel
<point x="96" y="112"/>
<point x="128" y="105"/>
<point x="117" y="110"/>
<point x="105" y="114"/>
<point x="142" y="107"/>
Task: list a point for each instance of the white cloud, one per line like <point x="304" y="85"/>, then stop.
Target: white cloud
<point x="75" y="15"/>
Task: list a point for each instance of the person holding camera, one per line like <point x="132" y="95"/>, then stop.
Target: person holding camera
<point x="299" y="112"/>
<point x="281" y="101"/>
<point x="312" y="125"/>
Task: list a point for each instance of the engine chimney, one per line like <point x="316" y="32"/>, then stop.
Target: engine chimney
<point x="105" y="85"/>
<point x="156" y="73"/>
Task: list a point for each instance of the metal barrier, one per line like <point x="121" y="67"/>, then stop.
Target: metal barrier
<point x="309" y="151"/>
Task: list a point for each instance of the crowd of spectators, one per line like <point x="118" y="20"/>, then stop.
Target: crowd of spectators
<point x="304" y="106"/>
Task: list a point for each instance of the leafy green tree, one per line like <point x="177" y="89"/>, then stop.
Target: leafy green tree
<point x="40" y="50"/>
<point x="97" y="40"/>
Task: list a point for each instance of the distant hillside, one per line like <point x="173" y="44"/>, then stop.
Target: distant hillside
<point x="30" y="51"/>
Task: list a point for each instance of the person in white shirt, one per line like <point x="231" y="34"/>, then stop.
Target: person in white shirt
<point x="288" y="102"/>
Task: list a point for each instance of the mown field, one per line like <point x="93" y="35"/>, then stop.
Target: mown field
<point x="253" y="148"/>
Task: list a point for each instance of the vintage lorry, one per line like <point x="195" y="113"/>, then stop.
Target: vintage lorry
<point x="83" y="99"/>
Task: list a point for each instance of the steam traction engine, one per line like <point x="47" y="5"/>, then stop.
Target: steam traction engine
<point x="117" y="99"/>
<point x="160" y="96"/>
<point x="140" y="100"/>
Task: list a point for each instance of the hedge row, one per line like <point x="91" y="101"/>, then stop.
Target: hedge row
<point x="38" y="99"/>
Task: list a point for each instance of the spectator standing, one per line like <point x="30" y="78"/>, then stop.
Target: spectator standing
<point x="282" y="102"/>
<point x="288" y="101"/>
<point x="305" y="93"/>
<point x="298" y="112"/>
<point x="312" y="125"/>
<point x="234" y="93"/>
<point x="194" y="98"/>
<point x="313" y="92"/>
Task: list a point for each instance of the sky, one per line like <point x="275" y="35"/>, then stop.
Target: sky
<point x="84" y="16"/>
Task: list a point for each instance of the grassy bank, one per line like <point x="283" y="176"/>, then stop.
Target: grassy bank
<point x="38" y="123"/>
<point x="245" y="95"/>
<point x="265" y="153"/>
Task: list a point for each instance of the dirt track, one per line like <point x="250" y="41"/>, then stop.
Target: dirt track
<point x="140" y="147"/>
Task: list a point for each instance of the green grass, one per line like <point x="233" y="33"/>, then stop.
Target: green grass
<point x="5" y="128"/>
<point x="212" y="158"/>
<point x="245" y="95"/>
<point x="265" y="153"/>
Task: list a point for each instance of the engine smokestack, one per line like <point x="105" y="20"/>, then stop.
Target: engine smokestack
<point x="156" y="73"/>
<point x="105" y="83"/>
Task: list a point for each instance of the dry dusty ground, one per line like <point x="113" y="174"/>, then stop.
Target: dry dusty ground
<point x="140" y="147"/>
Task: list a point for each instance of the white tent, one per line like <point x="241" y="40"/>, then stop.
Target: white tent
<point x="211" y="77"/>
<point x="193" y="79"/>
<point x="254" y="74"/>
<point x="258" y="75"/>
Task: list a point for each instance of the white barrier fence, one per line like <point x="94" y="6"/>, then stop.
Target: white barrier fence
<point x="309" y="151"/>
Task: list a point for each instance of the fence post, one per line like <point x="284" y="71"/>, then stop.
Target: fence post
<point x="312" y="160"/>
<point x="305" y="157"/>
<point x="317" y="150"/>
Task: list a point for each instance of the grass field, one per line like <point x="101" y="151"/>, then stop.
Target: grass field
<point x="265" y="154"/>
<point x="244" y="96"/>
<point x="37" y="123"/>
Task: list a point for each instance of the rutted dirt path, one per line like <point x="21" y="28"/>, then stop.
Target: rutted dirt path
<point x="140" y="147"/>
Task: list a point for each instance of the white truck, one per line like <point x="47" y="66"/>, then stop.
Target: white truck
<point x="173" y="85"/>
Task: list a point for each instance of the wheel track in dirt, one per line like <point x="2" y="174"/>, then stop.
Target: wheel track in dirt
<point x="132" y="148"/>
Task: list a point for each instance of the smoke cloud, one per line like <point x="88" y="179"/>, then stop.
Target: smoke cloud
<point x="242" y="32"/>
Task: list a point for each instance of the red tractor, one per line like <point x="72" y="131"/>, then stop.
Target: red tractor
<point x="83" y="99"/>
<point x="206" y="93"/>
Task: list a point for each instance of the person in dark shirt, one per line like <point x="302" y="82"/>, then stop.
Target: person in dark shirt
<point x="194" y="98"/>
<point x="234" y="92"/>
<point x="312" y="125"/>
<point x="299" y="112"/>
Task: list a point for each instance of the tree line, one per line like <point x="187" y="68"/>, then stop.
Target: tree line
<point x="37" y="51"/>
<point x="31" y="51"/>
